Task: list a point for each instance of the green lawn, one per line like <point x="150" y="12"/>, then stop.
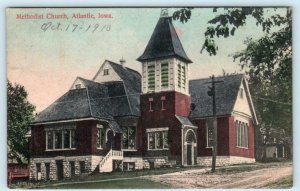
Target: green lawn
<point x="286" y="182"/>
<point x="135" y="183"/>
<point x="106" y="180"/>
<point x="131" y="179"/>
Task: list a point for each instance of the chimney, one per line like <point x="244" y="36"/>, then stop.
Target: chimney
<point x="122" y="61"/>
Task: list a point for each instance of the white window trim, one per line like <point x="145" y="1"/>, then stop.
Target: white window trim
<point x="147" y="71"/>
<point x="242" y="135"/>
<point x="167" y="87"/>
<point x="135" y="145"/>
<point x="208" y="147"/>
<point x="62" y="138"/>
<point x="155" y="130"/>
<point x="99" y="127"/>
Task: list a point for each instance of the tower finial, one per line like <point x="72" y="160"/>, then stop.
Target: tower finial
<point x="164" y="12"/>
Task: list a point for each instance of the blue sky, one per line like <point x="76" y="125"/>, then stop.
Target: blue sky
<point x="47" y="62"/>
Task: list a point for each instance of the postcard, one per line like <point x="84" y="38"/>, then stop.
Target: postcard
<point x="142" y="98"/>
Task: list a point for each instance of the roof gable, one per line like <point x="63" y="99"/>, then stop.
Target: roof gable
<point x="112" y="75"/>
<point x="227" y="97"/>
<point x="241" y="104"/>
<point x="226" y="94"/>
<point x="164" y="42"/>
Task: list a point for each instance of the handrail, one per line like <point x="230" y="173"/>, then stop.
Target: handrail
<point x="109" y="154"/>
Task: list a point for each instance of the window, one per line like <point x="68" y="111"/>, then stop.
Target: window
<point x="57" y="139"/>
<point x="151" y="77"/>
<point x="128" y="166"/>
<point x="181" y="79"/>
<point x="106" y="72"/>
<point x="241" y="134"/>
<point x="67" y="139"/>
<point x="165" y="75"/>
<point x="158" y="140"/>
<point x="151" y="104"/>
<point x="129" y="137"/>
<point x="60" y="139"/>
<point x="78" y="86"/>
<point x="100" y="137"/>
<point x="50" y="139"/>
<point x="163" y="98"/>
<point x="82" y="167"/>
<point x="179" y="75"/>
<point x="209" y="133"/>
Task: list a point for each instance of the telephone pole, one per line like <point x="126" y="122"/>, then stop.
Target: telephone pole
<point x="212" y="93"/>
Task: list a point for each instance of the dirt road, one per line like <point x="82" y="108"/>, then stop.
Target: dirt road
<point x="200" y="178"/>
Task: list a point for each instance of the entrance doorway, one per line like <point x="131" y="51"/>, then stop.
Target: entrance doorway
<point x="59" y="169"/>
<point x="190" y="155"/>
<point x="190" y="147"/>
<point x="110" y="139"/>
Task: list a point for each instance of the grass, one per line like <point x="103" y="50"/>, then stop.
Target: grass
<point x="135" y="183"/>
<point x="126" y="180"/>
<point x="114" y="180"/>
<point x="286" y="182"/>
<point x="248" y="167"/>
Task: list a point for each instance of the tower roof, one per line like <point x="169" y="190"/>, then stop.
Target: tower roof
<point x="164" y="42"/>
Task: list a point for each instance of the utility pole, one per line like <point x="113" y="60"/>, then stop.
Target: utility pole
<point x="212" y="93"/>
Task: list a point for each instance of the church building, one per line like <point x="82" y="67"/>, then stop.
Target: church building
<point x="123" y="120"/>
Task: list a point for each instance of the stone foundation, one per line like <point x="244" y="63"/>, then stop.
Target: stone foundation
<point x="90" y="163"/>
<point x="224" y="160"/>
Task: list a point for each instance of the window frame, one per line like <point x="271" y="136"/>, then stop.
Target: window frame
<point x="100" y="131"/>
<point x="135" y="139"/>
<point x="155" y="131"/>
<point x="242" y="134"/>
<point x="53" y="131"/>
<point x="164" y="79"/>
<point x="207" y="141"/>
<point x="153" y="77"/>
<point x="105" y="72"/>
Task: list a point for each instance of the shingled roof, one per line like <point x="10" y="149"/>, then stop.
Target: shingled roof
<point x="226" y="94"/>
<point x="164" y="42"/>
<point x="132" y="86"/>
<point x="97" y="100"/>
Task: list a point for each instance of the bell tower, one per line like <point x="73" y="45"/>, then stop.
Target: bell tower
<point x="165" y="100"/>
<point x="165" y="68"/>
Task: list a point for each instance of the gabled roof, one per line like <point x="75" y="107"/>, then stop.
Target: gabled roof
<point x="91" y="101"/>
<point x="184" y="121"/>
<point x="132" y="86"/>
<point x="164" y="42"/>
<point x="226" y="95"/>
<point x="97" y="100"/>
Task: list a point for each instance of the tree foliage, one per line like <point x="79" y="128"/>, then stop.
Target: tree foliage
<point x="19" y="117"/>
<point x="267" y="63"/>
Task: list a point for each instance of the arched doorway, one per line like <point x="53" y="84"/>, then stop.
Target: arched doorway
<point x="190" y="147"/>
<point x="109" y="139"/>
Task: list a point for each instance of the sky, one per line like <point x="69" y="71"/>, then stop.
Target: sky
<point x="47" y="60"/>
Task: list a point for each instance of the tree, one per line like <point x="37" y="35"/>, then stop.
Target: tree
<point x="267" y="63"/>
<point x="19" y="117"/>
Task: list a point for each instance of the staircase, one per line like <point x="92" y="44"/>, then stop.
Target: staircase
<point x="106" y="164"/>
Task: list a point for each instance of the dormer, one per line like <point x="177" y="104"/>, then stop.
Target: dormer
<point x="78" y="84"/>
<point x="164" y="61"/>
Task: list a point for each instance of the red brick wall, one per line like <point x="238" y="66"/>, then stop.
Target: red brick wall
<point x="236" y="151"/>
<point x="175" y="104"/>
<point x="85" y="135"/>
<point x="223" y="137"/>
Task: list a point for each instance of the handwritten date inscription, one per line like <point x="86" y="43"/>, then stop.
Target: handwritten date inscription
<point x="73" y="27"/>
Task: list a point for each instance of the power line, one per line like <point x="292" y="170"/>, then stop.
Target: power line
<point x="271" y="100"/>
